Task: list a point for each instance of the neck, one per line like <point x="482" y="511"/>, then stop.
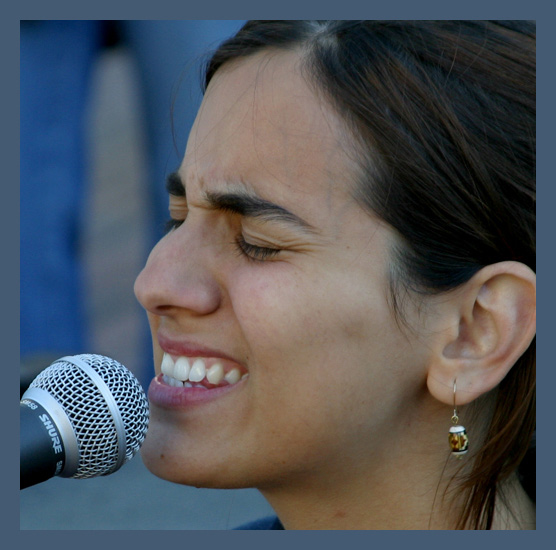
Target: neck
<point x="389" y="483"/>
<point x="394" y="497"/>
<point x="380" y="504"/>
<point x="514" y="509"/>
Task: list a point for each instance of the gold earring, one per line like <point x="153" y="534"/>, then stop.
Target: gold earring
<point x="457" y="437"/>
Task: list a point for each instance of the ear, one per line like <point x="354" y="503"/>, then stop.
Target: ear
<point x="490" y="322"/>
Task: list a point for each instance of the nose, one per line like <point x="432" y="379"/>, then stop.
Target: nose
<point x="178" y="277"/>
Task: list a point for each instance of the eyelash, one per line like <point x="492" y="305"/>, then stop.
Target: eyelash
<point x="250" y="251"/>
<point x="255" y="253"/>
<point x="171" y="224"/>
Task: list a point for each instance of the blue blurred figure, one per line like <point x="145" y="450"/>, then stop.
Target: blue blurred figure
<point x="57" y="62"/>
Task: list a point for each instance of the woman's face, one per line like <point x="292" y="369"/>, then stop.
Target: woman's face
<point x="277" y="280"/>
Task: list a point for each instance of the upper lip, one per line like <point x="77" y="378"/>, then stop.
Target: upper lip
<point x="190" y="349"/>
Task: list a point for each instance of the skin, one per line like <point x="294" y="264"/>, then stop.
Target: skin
<point x="334" y="424"/>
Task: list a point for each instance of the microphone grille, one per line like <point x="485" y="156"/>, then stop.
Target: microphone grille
<point x="90" y="414"/>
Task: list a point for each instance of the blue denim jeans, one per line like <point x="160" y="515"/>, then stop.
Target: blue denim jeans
<point x="57" y="58"/>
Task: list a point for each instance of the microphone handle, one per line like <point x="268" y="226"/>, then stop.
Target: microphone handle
<point x="42" y="453"/>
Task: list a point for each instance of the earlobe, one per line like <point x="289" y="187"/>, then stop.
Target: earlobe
<point x="494" y="321"/>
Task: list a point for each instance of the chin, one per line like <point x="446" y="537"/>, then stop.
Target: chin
<point x="175" y="457"/>
<point x="165" y="467"/>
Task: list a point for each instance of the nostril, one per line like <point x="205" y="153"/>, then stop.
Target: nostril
<point x="162" y="310"/>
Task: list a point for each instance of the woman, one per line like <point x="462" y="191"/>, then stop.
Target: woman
<point x="343" y="311"/>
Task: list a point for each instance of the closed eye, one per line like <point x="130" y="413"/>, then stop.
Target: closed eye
<point x="253" y="252"/>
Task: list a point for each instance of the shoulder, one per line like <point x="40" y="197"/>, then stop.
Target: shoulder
<point x="263" y="524"/>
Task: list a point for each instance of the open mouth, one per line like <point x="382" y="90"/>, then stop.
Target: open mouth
<point x="199" y="372"/>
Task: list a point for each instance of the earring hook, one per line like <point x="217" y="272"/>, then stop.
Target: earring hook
<point x="455" y="418"/>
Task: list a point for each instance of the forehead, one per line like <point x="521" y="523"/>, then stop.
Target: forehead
<point x="261" y="124"/>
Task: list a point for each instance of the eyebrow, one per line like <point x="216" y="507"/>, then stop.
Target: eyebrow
<point x="242" y="202"/>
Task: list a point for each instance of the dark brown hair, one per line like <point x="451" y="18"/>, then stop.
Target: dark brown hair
<point x="443" y="114"/>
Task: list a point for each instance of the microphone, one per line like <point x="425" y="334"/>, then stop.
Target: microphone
<point x="83" y="416"/>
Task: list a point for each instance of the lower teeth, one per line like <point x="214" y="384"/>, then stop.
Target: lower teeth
<point x="177" y="384"/>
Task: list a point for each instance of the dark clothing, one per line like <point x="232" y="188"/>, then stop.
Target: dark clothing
<point x="263" y="524"/>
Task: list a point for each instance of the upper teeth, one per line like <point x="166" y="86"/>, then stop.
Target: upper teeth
<point x="195" y="370"/>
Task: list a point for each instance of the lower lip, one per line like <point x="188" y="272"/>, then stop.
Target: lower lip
<point x="168" y="397"/>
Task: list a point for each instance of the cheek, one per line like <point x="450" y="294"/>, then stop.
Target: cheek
<point x="276" y="310"/>
<point x="307" y="318"/>
<point x="321" y="365"/>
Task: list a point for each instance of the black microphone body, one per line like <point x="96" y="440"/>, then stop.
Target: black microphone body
<point x="42" y="451"/>
<point x="83" y="416"/>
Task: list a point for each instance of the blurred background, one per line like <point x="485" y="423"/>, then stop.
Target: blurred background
<point x="106" y="108"/>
